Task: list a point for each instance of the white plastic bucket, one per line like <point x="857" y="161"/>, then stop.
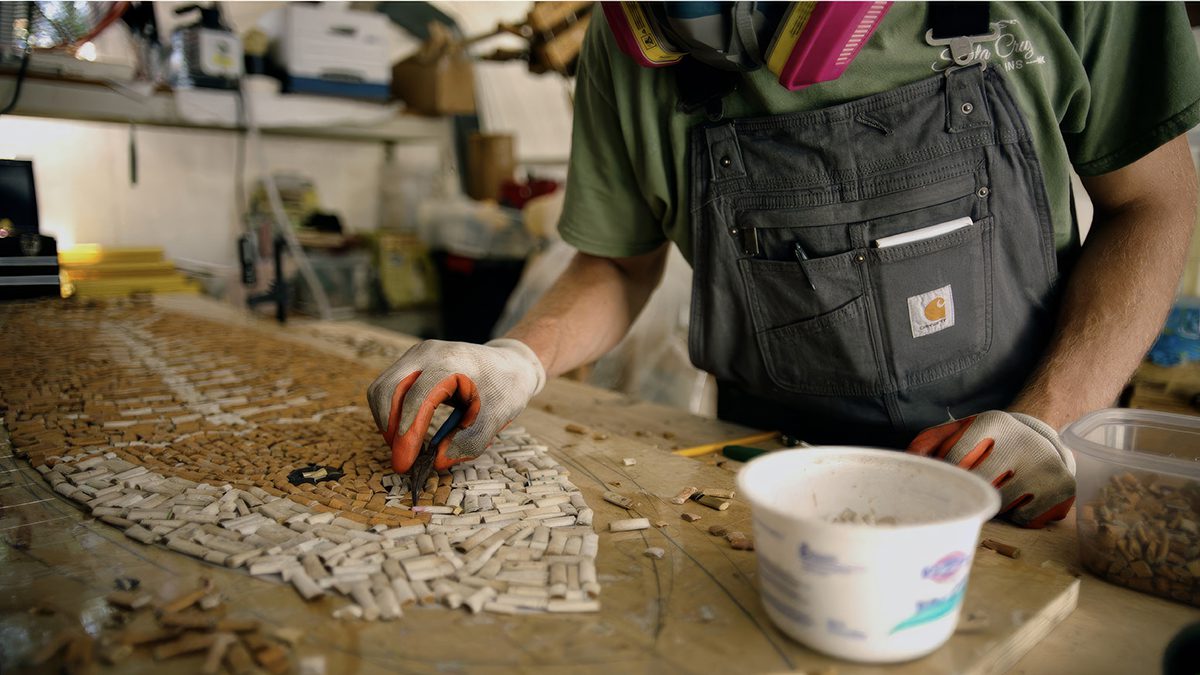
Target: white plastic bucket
<point x="869" y="593"/>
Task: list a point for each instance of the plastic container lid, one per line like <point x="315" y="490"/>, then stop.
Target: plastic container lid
<point x="1139" y="439"/>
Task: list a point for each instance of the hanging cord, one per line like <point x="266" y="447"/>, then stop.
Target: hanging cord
<point x="282" y="224"/>
<point x="23" y="70"/>
<point x="16" y="95"/>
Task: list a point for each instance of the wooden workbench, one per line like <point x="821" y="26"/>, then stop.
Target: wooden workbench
<point x="695" y="610"/>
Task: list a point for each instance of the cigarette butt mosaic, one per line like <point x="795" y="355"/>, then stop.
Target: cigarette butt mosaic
<point x="244" y="450"/>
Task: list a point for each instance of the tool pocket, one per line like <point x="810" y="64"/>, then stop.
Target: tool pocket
<point x="933" y="300"/>
<point x="820" y="324"/>
<point x="812" y="340"/>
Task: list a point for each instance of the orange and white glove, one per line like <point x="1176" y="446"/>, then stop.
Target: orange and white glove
<point x="494" y="381"/>
<point x="1020" y="455"/>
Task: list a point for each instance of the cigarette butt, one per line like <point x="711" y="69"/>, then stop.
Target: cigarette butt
<point x="1007" y="550"/>
<point x="719" y="493"/>
<point x="216" y="653"/>
<point x="690" y="517"/>
<point x="113" y="654"/>
<point x="182" y="602"/>
<point x="238" y="659"/>
<point x="718" y="530"/>
<point x="620" y="500"/>
<point x="629" y="525"/>
<point x="192" y="642"/>
<point x="237" y="625"/>
<point x="128" y="599"/>
<point x="81" y="653"/>
<point x="683" y="495"/>
<point x="135" y="638"/>
<point x="629" y="461"/>
<point x="195" y="620"/>
<point x="56" y="644"/>
<point x="742" y="544"/>
<point x="714" y="502"/>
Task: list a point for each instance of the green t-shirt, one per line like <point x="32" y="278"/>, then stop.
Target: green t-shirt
<point x="1100" y="84"/>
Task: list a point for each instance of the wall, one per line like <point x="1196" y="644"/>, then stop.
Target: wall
<point x="185" y="199"/>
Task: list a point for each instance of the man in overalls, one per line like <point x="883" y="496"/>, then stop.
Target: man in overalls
<point x="888" y="258"/>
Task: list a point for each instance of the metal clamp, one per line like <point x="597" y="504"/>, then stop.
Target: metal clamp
<point x="962" y="48"/>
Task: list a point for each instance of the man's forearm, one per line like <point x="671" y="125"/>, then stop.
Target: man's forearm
<point x="1121" y="288"/>
<point x="589" y="309"/>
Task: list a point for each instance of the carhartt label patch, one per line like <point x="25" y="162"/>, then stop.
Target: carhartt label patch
<point x="930" y="312"/>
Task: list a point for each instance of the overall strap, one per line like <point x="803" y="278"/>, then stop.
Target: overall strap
<point x="957" y="19"/>
<point x="703" y="88"/>
<point x="959" y="25"/>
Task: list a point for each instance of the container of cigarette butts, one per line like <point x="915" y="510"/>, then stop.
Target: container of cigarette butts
<point x="1137" y="499"/>
<point x="864" y="554"/>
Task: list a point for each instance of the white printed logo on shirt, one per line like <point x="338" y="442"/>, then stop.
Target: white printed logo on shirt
<point x="931" y="312"/>
<point x="1010" y="50"/>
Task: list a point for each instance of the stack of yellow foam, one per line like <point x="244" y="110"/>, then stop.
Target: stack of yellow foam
<point x="96" y="272"/>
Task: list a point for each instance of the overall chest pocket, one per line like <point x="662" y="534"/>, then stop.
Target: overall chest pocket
<point x="839" y="319"/>
<point x="933" y="300"/>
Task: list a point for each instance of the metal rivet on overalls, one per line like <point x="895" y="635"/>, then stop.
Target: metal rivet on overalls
<point x="983" y="191"/>
<point x="967" y="108"/>
<point x="859" y="258"/>
<point x="726" y="162"/>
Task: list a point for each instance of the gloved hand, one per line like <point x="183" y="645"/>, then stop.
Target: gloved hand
<point x="1019" y="454"/>
<point x="495" y="381"/>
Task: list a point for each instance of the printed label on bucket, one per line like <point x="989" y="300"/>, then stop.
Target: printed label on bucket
<point x="839" y="628"/>
<point x="786" y="609"/>
<point x="932" y="610"/>
<point x="945" y="569"/>
<point x="823" y="563"/>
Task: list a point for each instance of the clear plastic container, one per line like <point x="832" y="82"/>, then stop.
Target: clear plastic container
<point x="1138" y="499"/>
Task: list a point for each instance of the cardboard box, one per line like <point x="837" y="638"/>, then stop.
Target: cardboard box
<point x="444" y="86"/>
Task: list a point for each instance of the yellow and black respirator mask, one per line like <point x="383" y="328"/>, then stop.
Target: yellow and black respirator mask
<point x="805" y="42"/>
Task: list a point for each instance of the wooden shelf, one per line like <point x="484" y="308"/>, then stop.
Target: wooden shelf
<point x="104" y="102"/>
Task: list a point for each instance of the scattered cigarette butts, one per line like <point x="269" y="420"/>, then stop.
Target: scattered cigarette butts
<point x="690" y="517"/>
<point x="575" y="429"/>
<point x="170" y="475"/>
<point x="719" y="493"/>
<point x="655" y="552"/>
<point x="1006" y="550"/>
<point x="629" y="461"/>
<point x="717" y="530"/>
